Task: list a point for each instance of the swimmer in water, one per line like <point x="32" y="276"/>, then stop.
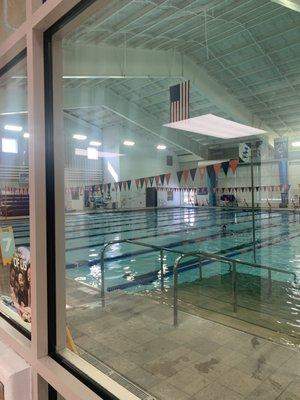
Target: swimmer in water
<point x="225" y="231"/>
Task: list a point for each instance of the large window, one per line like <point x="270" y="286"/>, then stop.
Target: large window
<point x="15" y="276"/>
<point x="156" y="260"/>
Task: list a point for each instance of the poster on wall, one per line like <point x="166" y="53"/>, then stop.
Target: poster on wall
<point x="7" y="245"/>
<point x="20" y="283"/>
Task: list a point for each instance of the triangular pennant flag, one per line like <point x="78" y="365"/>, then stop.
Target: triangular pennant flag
<point x="162" y="178"/>
<point x="257" y="188"/>
<point x="116" y="185"/>
<point x="151" y="179"/>
<point x="233" y="164"/>
<point x="157" y="178"/>
<point x="146" y="181"/>
<point x="129" y="184"/>
<point x="186" y="175"/>
<point x="168" y="176"/>
<point x="193" y="173"/>
<point x="124" y="185"/>
<point x="179" y="175"/>
<point x="225" y="166"/>
<point x="202" y="172"/>
<point x="137" y="182"/>
<point x="142" y="180"/>
<point x="217" y="168"/>
<point x="120" y="185"/>
<point x="210" y="171"/>
<point x="108" y="187"/>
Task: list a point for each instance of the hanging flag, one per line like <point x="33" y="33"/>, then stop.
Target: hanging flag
<point x="193" y="173"/>
<point x="151" y="179"/>
<point x="124" y="185"/>
<point x="162" y="178"/>
<point x="225" y="166"/>
<point x="137" y="182"/>
<point x="168" y="176"/>
<point x="129" y="184"/>
<point x="186" y="175"/>
<point x="217" y="168"/>
<point x="108" y="187"/>
<point x="116" y="185"/>
<point x="179" y="101"/>
<point x="233" y="164"/>
<point x="142" y="180"/>
<point x="146" y="181"/>
<point x="120" y="185"/>
<point x="157" y="178"/>
<point x="245" y="152"/>
<point x="202" y="172"/>
<point x="179" y="175"/>
<point x="210" y="171"/>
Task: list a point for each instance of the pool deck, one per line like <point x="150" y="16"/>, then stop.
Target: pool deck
<point x="198" y="360"/>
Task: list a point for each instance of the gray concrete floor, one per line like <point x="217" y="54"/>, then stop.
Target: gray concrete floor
<point x="199" y="359"/>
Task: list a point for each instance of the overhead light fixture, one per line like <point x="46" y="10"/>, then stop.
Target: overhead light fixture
<point x="296" y="144"/>
<point x="79" y="137"/>
<point x="13" y="128"/>
<point x="95" y="143"/>
<point x="128" y="143"/>
<point x="26" y="135"/>
<point x="14" y="113"/>
<point x="212" y="125"/>
<point x="161" y="147"/>
<point x="292" y="4"/>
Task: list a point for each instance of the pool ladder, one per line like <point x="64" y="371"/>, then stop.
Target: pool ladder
<point x="200" y="256"/>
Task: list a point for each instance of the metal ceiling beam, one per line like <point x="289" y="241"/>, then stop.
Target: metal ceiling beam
<point x="107" y="61"/>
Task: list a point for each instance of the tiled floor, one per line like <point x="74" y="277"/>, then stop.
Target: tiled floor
<point x="199" y="359"/>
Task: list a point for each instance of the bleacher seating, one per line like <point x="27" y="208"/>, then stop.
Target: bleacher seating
<point x="12" y="205"/>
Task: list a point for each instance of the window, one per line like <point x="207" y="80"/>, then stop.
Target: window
<point x="15" y="272"/>
<point x="9" y="145"/>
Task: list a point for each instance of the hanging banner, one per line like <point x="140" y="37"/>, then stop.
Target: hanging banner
<point x="217" y="168"/>
<point x="202" y="172"/>
<point x="225" y="167"/>
<point x="168" y="176"/>
<point x="193" y="173"/>
<point x="233" y="164"/>
<point x="179" y="175"/>
<point x="162" y="179"/>
<point x="179" y="101"/>
<point x="186" y="175"/>
<point x="245" y="152"/>
<point x="129" y="184"/>
<point x="281" y="146"/>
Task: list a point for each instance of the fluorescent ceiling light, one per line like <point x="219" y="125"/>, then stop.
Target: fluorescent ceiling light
<point x="95" y="143"/>
<point x="101" y="154"/>
<point x="292" y="4"/>
<point x="79" y="137"/>
<point x="26" y="135"/>
<point x="92" y="153"/>
<point x="296" y="144"/>
<point x="9" y="146"/>
<point x="211" y="125"/>
<point x="14" y="112"/>
<point x="128" y="143"/>
<point x="161" y="147"/>
<point x="14" y="128"/>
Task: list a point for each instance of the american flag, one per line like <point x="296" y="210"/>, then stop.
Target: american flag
<point x="179" y="101"/>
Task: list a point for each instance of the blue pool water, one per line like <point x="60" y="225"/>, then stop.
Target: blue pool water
<point x="182" y="229"/>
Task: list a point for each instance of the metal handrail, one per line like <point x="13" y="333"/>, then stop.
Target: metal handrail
<point x="232" y="262"/>
<point x="137" y="243"/>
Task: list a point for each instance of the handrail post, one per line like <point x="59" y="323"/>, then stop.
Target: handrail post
<point x="234" y="292"/>
<point x="269" y="283"/>
<point x="102" y="292"/>
<point x="162" y="270"/>
<point x="200" y="270"/>
<point x="175" y="291"/>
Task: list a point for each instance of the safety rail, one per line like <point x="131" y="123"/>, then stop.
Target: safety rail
<point x="201" y="256"/>
<point x="137" y="243"/>
<point x="233" y="263"/>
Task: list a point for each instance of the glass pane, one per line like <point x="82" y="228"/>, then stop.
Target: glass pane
<point x="12" y="15"/>
<point x="14" y="198"/>
<point x="181" y="187"/>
